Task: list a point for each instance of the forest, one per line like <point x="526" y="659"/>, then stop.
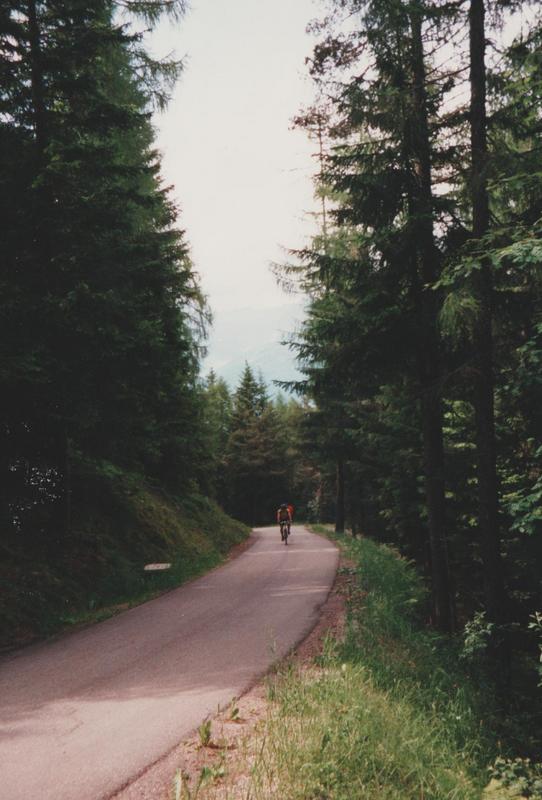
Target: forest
<point x="418" y="419"/>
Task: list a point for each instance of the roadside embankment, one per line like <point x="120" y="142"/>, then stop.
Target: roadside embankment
<point x="119" y="524"/>
<point x="386" y="711"/>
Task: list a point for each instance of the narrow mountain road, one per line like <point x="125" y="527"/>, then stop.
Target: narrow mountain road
<point x="82" y="716"/>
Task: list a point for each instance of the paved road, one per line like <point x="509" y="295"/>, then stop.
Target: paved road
<point x="82" y="716"/>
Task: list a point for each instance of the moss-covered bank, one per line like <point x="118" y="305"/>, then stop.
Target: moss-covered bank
<point x="119" y="525"/>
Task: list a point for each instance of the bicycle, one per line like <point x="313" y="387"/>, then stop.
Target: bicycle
<point x="284" y="530"/>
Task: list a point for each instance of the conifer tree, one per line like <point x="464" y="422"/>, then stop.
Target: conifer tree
<point x="484" y="379"/>
<point x="257" y="464"/>
<point x="217" y="425"/>
<point x="96" y="277"/>
<point x="399" y="238"/>
<point x="380" y="169"/>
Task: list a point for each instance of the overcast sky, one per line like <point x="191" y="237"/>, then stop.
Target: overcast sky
<point x="241" y="176"/>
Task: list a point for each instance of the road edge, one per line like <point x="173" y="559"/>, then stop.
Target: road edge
<point x="116" y="610"/>
<point x="188" y="756"/>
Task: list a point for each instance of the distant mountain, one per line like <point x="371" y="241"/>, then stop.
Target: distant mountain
<point x="254" y="335"/>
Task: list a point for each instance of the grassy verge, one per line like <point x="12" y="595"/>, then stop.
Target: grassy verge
<point x="388" y="714"/>
<point x="120" y="524"/>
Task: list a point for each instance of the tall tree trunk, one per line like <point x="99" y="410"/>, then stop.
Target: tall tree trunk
<point x="5" y="474"/>
<point x="421" y="207"/>
<point x="488" y="501"/>
<point x="44" y="205"/>
<point x="68" y="489"/>
<point x="339" y="501"/>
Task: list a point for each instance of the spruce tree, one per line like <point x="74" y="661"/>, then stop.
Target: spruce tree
<point x="256" y="461"/>
<point x="217" y="415"/>
<point x="96" y="278"/>
<point x="380" y="170"/>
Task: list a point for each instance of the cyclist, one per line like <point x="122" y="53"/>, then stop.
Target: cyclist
<point x="284" y="515"/>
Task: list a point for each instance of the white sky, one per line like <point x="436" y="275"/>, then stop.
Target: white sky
<point x="241" y="176"/>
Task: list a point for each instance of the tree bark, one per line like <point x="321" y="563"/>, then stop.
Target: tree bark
<point x="339" y="502"/>
<point x="68" y="488"/>
<point x="488" y="501"/>
<point x="421" y="208"/>
<point x="5" y="463"/>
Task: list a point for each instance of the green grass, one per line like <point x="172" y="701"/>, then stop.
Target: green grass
<point x="119" y="525"/>
<point x="340" y="737"/>
<point x="389" y="714"/>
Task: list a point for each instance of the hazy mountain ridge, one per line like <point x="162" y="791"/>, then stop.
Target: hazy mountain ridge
<point x="254" y="336"/>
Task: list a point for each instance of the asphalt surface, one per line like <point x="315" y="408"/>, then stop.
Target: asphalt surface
<point x="84" y="715"/>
